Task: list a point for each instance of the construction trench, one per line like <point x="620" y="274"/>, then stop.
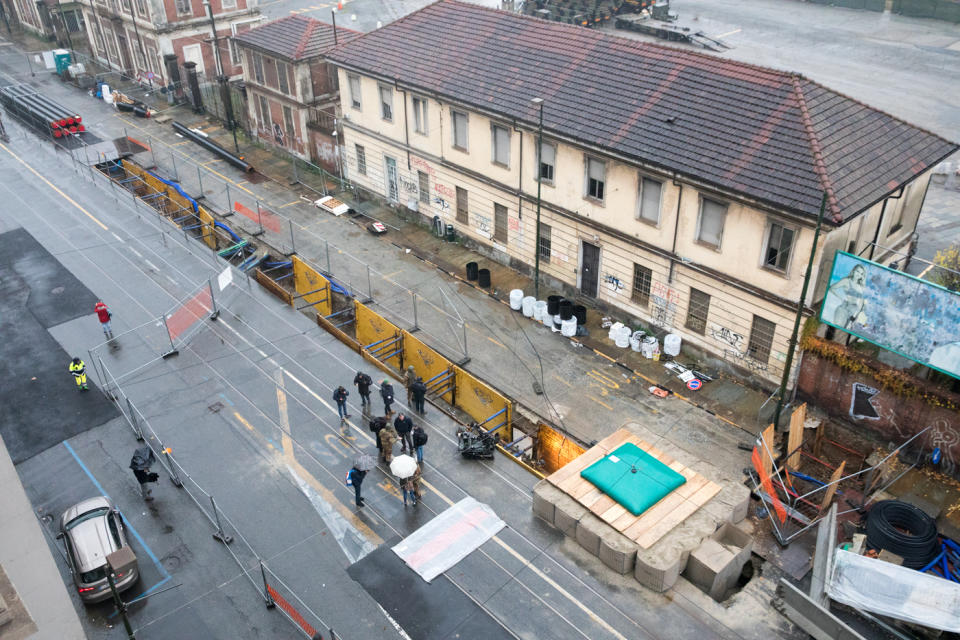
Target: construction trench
<point x="700" y="532"/>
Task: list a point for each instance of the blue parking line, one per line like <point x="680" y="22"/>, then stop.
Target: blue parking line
<point x="160" y="567"/>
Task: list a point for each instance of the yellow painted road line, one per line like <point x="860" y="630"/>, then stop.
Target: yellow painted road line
<point x="496" y="342"/>
<point x="924" y="272"/>
<point x="289" y="204"/>
<point x="603" y="379"/>
<point x="212" y="161"/>
<point x="600" y="402"/>
<point x="180" y="144"/>
<point x="395" y="273"/>
<point x="562" y="380"/>
<point x="240" y="183"/>
<point x="55" y="188"/>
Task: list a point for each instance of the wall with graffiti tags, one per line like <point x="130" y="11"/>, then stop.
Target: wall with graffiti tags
<point x="860" y="399"/>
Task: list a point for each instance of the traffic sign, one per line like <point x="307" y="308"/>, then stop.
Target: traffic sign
<point x="694" y="384"/>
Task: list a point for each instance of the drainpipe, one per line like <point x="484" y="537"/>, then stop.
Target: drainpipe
<point x="520" y="179"/>
<point x="406" y="123"/>
<point x="676" y="227"/>
<point x="883" y="209"/>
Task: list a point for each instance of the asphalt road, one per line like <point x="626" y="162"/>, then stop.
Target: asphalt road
<point x="245" y="408"/>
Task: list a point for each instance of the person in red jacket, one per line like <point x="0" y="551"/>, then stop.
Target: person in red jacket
<point x="104" y="315"/>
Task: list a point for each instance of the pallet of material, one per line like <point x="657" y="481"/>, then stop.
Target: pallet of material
<point x="651" y="525"/>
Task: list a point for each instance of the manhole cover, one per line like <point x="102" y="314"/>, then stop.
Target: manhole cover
<point x="57" y="290"/>
<point x="215" y="407"/>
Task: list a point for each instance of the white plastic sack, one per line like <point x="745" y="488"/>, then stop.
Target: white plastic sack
<point x="895" y="591"/>
<point x="448" y="538"/>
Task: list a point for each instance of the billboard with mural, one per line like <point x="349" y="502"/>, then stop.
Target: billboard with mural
<point x="909" y="316"/>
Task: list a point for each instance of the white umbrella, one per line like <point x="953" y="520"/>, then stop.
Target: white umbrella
<point x="403" y="466"/>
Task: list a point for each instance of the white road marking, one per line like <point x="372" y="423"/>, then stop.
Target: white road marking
<point x="728" y="33"/>
<point x="117" y="237"/>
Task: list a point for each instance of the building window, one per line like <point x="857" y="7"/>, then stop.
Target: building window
<point x="500" y="223"/>
<point x="897" y="222"/>
<point x="386" y="103"/>
<point x="500" y="143"/>
<point x="288" y="123"/>
<point x="544" y="245"/>
<point x="142" y="8"/>
<point x="423" y="183"/>
<point x="420" y="115"/>
<point x="361" y="160"/>
<point x="648" y="202"/>
<point x="282" y="77"/>
<point x="776" y="255"/>
<point x="462" y="216"/>
<point x="710" y="223"/>
<point x="596" y="178"/>
<point x="761" y="339"/>
<point x="354" y="82"/>
<point x="265" y="118"/>
<point x="234" y="51"/>
<point x="459" y="130"/>
<point x="698" y="311"/>
<point x="228" y="4"/>
<point x="547" y="161"/>
<point x="641" y="285"/>
<point x="183" y="6"/>
<point x="258" y="68"/>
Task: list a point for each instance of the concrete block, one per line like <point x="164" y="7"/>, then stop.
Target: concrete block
<point x="543" y="501"/>
<point x="717" y="563"/>
<point x="659" y="571"/>
<point x="617" y="551"/>
<point x="567" y="513"/>
<point x="738" y="541"/>
<point x="589" y="530"/>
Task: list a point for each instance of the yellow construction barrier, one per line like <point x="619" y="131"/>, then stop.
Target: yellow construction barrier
<point x="382" y="338"/>
<point x="312" y="287"/>
<point x="206" y="222"/>
<point x="428" y="364"/>
<point x="484" y="404"/>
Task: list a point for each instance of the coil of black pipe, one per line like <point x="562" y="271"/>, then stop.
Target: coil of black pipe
<point x="903" y="529"/>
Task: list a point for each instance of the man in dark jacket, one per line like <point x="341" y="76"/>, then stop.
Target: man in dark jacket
<point x="377" y="425"/>
<point x="340" y="397"/>
<point x="419" y="391"/>
<point x="356" y="479"/>
<point x="363" y="382"/>
<point x="419" y="439"/>
<point x="404" y="425"/>
<point x="386" y="392"/>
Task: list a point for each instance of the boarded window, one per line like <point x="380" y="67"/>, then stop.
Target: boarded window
<point x="361" y="160"/>
<point x="500" y="223"/>
<point x="265" y="119"/>
<point x="423" y="181"/>
<point x="761" y="339"/>
<point x="459" y="129"/>
<point x="258" y="68"/>
<point x="462" y="216"/>
<point x="698" y="311"/>
<point x="641" y="285"/>
<point x="282" y="77"/>
<point x="544" y="244"/>
<point x="288" y="125"/>
<point x="710" y="225"/>
<point x="649" y="200"/>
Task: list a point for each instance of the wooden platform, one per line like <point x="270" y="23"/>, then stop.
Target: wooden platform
<point x="655" y="522"/>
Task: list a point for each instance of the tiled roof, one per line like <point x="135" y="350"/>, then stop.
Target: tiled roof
<point x="295" y="37"/>
<point x="769" y="135"/>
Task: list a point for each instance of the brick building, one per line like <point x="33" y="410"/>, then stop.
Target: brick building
<point x="292" y="94"/>
<point x="678" y="188"/>
<point x="133" y="36"/>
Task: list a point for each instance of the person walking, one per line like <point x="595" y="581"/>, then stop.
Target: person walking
<point x="363" y="383"/>
<point x="419" y="439"/>
<point x="104" y="315"/>
<point x="387" y="437"/>
<point x="419" y="389"/>
<point x="409" y="377"/>
<point x="377" y="425"/>
<point x="404" y="426"/>
<point x="386" y="392"/>
<point x="79" y="371"/>
<point x="355" y="478"/>
<point x="408" y="491"/>
<point x="412" y="484"/>
<point x="340" y="397"/>
<point x="140" y="463"/>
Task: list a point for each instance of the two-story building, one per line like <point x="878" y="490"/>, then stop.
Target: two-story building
<point x="133" y="36"/>
<point x="58" y="19"/>
<point x="292" y="92"/>
<point x="680" y="188"/>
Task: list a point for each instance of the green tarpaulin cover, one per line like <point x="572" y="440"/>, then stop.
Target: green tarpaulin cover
<point x="633" y="478"/>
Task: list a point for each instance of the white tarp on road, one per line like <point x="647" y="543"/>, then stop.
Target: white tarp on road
<point x="448" y="538"/>
<point x="895" y="591"/>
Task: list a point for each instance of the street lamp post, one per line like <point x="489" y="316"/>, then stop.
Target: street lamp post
<point x="538" y="102"/>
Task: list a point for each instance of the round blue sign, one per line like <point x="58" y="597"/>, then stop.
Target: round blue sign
<point x="694" y="384"/>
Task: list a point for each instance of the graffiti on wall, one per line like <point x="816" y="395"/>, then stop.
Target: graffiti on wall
<point x="664" y="303"/>
<point x="727" y="336"/>
<point x="408" y="185"/>
<point x="483" y="223"/>
<point x="861" y="402"/>
<point x="613" y="283"/>
<point x="441" y="203"/>
<point x="745" y="360"/>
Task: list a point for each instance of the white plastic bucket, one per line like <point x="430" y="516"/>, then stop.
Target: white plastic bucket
<point x="555" y="325"/>
<point x="527" y="306"/>
<point x="671" y="344"/>
<point x="516" y="299"/>
<point x="546" y="318"/>
<point x="614" y="330"/>
<point x="568" y="328"/>
<point x="622" y="340"/>
<point x="539" y="310"/>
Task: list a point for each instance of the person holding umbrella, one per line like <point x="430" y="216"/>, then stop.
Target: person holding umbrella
<point x="404" y="468"/>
